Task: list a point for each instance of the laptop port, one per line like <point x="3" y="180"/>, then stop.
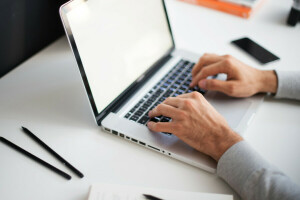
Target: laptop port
<point x="134" y="140"/>
<point x="107" y="129"/>
<point x="127" y="137"/>
<point x="121" y="135"/>
<point x="154" y="148"/>
<point x="114" y="132"/>
<point x="142" y="143"/>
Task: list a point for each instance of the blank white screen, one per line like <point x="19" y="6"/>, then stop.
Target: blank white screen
<point x="117" y="41"/>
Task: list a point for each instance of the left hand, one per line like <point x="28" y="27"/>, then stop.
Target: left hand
<point x="195" y="122"/>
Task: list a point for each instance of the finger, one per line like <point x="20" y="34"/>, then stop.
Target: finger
<point x="210" y="70"/>
<point x="184" y="96"/>
<point x="161" y="126"/>
<point x="173" y="101"/>
<point x="205" y="60"/>
<point x="216" y="85"/>
<point x="165" y="110"/>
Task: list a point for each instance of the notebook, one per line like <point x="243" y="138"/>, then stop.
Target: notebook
<point x="123" y="192"/>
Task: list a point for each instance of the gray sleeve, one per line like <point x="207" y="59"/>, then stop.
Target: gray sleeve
<point x="252" y="177"/>
<point x="288" y="84"/>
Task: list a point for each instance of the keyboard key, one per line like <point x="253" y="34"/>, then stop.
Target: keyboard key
<point x="132" y="110"/>
<point x="183" y="76"/>
<point x="189" y="91"/>
<point x="177" y="82"/>
<point x="151" y="99"/>
<point x="165" y="85"/>
<point x="127" y="115"/>
<point x="179" y="92"/>
<point x="165" y="119"/>
<point x="172" y="78"/>
<point x="202" y="91"/>
<point x="176" y="85"/>
<point x="183" y="88"/>
<point x="161" y="99"/>
<point x="152" y="108"/>
<point x="138" y="113"/>
<point x="155" y="119"/>
<point x="143" y="120"/>
<point x="199" y="90"/>
<point x="143" y="109"/>
<point x="134" y="118"/>
<point x="186" y="84"/>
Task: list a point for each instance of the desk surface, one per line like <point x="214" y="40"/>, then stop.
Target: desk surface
<point x="46" y="95"/>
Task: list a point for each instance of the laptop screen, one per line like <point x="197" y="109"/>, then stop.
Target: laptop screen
<point x="118" y="40"/>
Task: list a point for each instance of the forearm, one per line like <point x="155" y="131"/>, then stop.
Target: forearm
<point x="285" y="84"/>
<point x="267" y="81"/>
<point x="252" y="177"/>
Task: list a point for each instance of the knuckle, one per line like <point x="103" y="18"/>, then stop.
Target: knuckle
<point x="231" y="89"/>
<point x="194" y="95"/>
<point x="227" y="56"/>
<point x="182" y="114"/>
<point x="159" y="108"/>
<point x="167" y="100"/>
<point x="188" y="103"/>
<point x="227" y="62"/>
<point x="199" y="60"/>
<point x="205" y="55"/>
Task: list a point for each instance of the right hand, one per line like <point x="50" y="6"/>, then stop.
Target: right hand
<point x="196" y="123"/>
<point x="242" y="80"/>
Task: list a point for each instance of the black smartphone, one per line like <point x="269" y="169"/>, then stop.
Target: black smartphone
<point x="258" y="52"/>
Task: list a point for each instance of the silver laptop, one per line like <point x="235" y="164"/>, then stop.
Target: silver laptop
<point x="129" y="64"/>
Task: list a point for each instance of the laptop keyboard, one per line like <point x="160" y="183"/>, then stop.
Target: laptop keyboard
<point x="174" y="83"/>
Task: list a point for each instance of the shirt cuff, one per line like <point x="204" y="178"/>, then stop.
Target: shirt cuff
<point x="238" y="163"/>
<point x="288" y="84"/>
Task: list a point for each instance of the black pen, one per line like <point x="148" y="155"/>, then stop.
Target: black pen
<point x="33" y="157"/>
<point x="45" y="146"/>
<point x="151" y="197"/>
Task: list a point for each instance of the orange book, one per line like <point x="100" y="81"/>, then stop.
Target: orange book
<point x="231" y="8"/>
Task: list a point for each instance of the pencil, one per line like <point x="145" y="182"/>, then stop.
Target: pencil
<point x="51" y="151"/>
<point x="151" y="197"/>
<point x="33" y="157"/>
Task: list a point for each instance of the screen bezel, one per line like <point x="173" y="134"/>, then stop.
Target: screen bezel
<point x="119" y="100"/>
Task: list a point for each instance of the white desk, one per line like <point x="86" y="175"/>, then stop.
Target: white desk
<point x="46" y="95"/>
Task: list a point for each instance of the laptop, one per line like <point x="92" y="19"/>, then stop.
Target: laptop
<point x="129" y="64"/>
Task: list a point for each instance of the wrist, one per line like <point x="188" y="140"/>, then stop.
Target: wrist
<point x="228" y="139"/>
<point x="267" y="81"/>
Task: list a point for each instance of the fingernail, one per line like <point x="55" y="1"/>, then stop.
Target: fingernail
<point x="202" y="84"/>
<point x="149" y="113"/>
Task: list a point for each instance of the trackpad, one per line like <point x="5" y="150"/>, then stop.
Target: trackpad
<point x="233" y="109"/>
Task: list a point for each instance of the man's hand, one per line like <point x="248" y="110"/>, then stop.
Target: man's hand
<point x="242" y="80"/>
<point x="195" y="122"/>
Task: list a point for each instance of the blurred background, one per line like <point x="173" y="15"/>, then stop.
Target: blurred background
<point x="26" y="26"/>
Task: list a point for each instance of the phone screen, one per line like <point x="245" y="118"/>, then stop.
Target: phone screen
<point x="261" y="54"/>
